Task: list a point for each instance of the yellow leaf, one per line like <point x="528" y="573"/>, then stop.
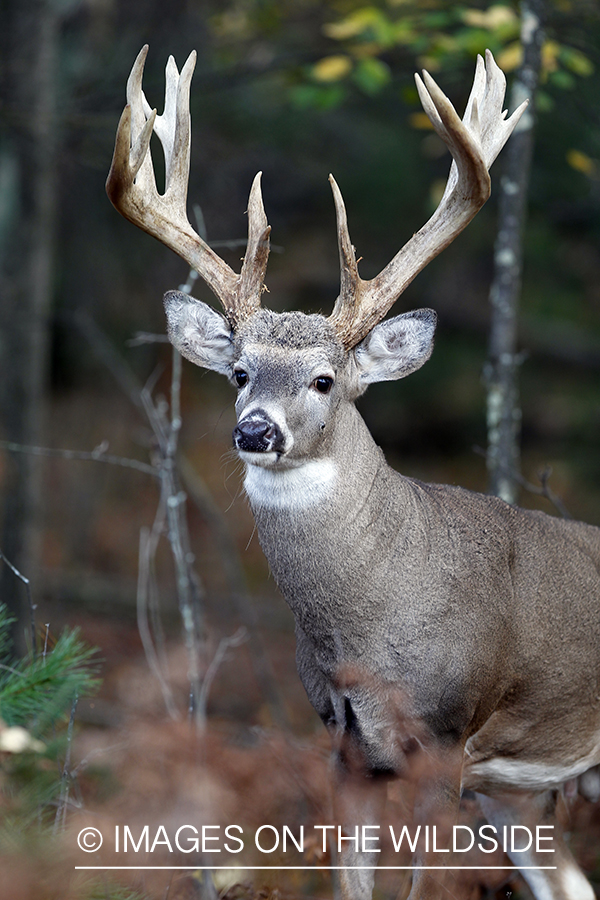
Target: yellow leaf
<point x="493" y="18"/>
<point x="581" y="162"/>
<point x="353" y="26"/>
<point x="332" y="68"/>
<point x="420" y="120"/>
<point x="431" y="63"/>
<point x="366" y="50"/>
<point x="511" y="57"/>
<point x="550" y="51"/>
<point x="347" y="28"/>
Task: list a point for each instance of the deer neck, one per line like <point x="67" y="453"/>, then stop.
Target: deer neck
<point x="345" y="505"/>
<point x="322" y="533"/>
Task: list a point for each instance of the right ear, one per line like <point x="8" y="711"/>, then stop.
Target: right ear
<point x="199" y="332"/>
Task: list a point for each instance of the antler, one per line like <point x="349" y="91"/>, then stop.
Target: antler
<point x="131" y="187"/>
<point x="474" y="144"/>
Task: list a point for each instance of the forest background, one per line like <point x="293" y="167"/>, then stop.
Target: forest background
<point x="296" y="89"/>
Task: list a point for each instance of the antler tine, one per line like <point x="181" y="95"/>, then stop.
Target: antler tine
<point x="257" y="253"/>
<point x="350" y="280"/>
<point x="131" y="187"/>
<point x="474" y="144"/>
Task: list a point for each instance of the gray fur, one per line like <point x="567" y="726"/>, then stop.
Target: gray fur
<point x="200" y="333"/>
<point x="396" y="347"/>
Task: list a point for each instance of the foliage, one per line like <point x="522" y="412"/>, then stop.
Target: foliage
<point x="368" y="47"/>
<point x="37" y="700"/>
<point x="37" y="691"/>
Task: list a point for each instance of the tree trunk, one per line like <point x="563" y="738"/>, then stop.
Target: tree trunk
<point x="501" y="374"/>
<point x="27" y="214"/>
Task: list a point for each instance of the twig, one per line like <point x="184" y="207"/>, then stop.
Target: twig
<point x="93" y="455"/>
<point x="147" y="541"/>
<point x="106" y="352"/>
<point x="65" y="778"/>
<point x="543" y="490"/>
<point x="175" y="429"/>
<point x="547" y="492"/>
<point x="234" y="573"/>
<point x="172" y="503"/>
<point x="145" y="337"/>
<point x="46" y="636"/>
<point x="30" y="602"/>
<point x="10" y="669"/>
<point x="189" y="589"/>
<point x="225" y="644"/>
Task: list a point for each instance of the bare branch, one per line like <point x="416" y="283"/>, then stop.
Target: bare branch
<point x="93" y="456"/>
<point x="30" y="602"/>
<point x="225" y="644"/>
<point x="542" y="490"/>
<point x="148" y="542"/>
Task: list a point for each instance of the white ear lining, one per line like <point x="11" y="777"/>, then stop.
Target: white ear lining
<point x="396" y="347"/>
<point x="200" y="333"/>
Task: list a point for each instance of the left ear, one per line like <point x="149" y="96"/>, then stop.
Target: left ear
<point x="396" y="347"/>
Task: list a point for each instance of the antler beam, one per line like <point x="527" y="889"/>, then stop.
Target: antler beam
<point x="474" y="144"/>
<point x="131" y="187"/>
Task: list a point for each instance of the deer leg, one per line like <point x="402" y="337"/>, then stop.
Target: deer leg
<point x="436" y="801"/>
<point x="566" y="881"/>
<point x="359" y="801"/>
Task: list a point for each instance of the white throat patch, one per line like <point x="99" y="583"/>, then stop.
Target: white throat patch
<point x="297" y="488"/>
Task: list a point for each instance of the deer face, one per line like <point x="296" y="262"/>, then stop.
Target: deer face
<point x="292" y="372"/>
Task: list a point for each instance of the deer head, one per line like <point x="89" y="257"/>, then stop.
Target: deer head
<point x="314" y="363"/>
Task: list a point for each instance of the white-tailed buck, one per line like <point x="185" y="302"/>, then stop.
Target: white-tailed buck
<point x="428" y="618"/>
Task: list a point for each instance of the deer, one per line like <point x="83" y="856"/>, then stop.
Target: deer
<point x="429" y="619"/>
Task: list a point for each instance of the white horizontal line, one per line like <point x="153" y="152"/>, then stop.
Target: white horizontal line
<point x="315" y="868"/>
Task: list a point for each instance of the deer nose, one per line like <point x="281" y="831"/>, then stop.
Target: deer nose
<point x="258" y="435"/>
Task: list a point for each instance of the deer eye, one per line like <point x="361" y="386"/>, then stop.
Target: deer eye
<point x="241" y="377"/>
<point x="323" y="384"/>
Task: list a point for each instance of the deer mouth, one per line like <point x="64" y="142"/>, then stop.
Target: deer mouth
<point x="262" y="460"/>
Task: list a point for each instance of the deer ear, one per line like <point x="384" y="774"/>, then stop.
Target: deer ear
<point x="200" y="333"/>
<point x="396" y="347"/>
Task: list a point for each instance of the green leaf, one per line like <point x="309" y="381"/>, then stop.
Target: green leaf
<point x="563" y="80"/>
<point x="38" y="693"/>
<point x="476" y="40"/>
<point x="371" y="75"/>
<point x="313" y="96"/>
<point x="576" y="61"/>
<point x="544" y="102"/>
<point x="366" y="24"/>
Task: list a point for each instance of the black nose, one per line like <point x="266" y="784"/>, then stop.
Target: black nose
<point x="258" y="435"/>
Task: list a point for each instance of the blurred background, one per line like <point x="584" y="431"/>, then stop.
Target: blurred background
<point x="297" y="89"/>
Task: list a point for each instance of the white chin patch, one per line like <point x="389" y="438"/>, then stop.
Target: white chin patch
<point x="291" y="488"/>
<point x="263" y="460"/>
